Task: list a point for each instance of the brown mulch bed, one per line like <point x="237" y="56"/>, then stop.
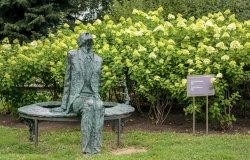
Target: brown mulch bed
<point x="176" y="122"/>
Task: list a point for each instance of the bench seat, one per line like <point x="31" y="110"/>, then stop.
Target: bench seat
<point x="42" y="112"/>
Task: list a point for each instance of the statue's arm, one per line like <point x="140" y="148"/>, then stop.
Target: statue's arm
<point x="100" y="80"/>
<point x="67" y="82"/>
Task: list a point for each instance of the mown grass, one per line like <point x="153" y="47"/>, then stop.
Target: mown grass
<point x="64" y="144"/>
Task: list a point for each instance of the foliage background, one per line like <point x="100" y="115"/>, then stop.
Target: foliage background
<point x="28" y="20"/>
<point x="152" y="54"/>
<point x="188" y="8"/>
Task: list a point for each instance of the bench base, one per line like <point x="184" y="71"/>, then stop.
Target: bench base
<point x="33" y="124"/>
<point x="35" y="113"/>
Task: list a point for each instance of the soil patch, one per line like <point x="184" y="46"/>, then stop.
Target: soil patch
<point x="7" y="120"/>
<point x="180" y="123"/>
<point x="129" y="150"/>
<point x="174" y="123"/>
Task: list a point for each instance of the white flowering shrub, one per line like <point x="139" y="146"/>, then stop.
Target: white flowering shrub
<point x="156" y="54"/>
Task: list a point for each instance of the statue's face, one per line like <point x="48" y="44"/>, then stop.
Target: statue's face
<point x="89" y="42"/>
<point x="85" y="40"/>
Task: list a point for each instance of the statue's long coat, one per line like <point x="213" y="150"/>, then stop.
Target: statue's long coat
<point x="74" y="77"/>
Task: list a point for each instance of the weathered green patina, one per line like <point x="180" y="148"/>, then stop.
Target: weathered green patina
<point x="80" y="99"/>
<point x="34" y="113"/>
<point x="81" y="93"/>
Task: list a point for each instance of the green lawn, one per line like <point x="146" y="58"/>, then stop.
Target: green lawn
<point x="65" y="144"/>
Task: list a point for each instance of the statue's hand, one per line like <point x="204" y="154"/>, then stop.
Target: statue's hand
<point x="57" y="109"/>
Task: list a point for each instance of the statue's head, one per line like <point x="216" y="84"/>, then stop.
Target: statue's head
<point x="85" y="40"/>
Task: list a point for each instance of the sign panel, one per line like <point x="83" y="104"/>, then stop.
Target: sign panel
<point x="200" y="85"/>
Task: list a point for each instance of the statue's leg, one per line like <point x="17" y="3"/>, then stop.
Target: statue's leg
<point x="98" y="127"/>
<point x="86" y="126"/>
<point x="31" y="125"/>
<point x="86" y="131"/>
<point x="80" y="107"/>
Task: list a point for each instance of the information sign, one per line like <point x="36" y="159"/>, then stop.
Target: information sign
<point x="200" y="85"/>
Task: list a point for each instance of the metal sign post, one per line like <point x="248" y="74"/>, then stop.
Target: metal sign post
<point x="206" y="114"/>
<point x="193" y="115"/>
<point x="200" y="85"/>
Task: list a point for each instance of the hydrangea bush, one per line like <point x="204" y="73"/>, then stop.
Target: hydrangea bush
<point x="154" y="53"/>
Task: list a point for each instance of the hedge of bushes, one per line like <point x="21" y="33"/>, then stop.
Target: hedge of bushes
<point x="155" y="54"/>
<point x="187" y="8"/>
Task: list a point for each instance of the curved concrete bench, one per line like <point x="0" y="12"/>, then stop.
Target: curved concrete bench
<point x="42" y="112"/>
